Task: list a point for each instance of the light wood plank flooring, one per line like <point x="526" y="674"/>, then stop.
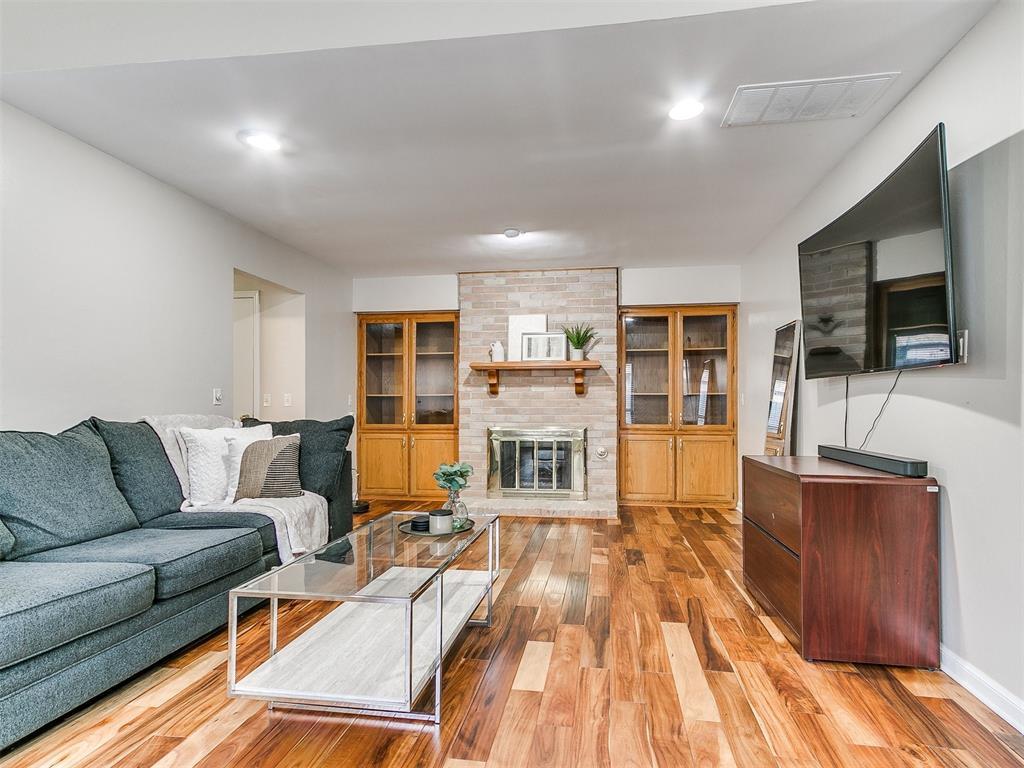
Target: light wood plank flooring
<point x="626" y="643"/>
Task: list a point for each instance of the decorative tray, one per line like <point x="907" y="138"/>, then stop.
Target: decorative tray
<point x="406" y="527"/>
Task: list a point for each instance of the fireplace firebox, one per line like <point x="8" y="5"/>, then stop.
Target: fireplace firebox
<point x="540" y="462"/>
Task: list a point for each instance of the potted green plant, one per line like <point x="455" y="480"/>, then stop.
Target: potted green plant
<point x="453" y="478"/>
<point x="580" y="337"/>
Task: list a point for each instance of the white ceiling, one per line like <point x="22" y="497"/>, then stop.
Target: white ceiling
<point x="60" y="34"/>
<point x="409" y="158"/>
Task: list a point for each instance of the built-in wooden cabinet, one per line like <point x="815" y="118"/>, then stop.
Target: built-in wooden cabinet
<point x="677" y="404"/>
<point x="408" y="402"/>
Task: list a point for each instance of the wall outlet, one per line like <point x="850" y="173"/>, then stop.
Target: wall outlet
<point x="218" y="396"/>
<point x="287" y="399"/>
<point x="266" y="400"/>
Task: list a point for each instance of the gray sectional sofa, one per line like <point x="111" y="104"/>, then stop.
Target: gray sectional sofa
<point x="101" y="575"/>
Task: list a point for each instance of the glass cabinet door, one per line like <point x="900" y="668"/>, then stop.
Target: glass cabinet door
<point x="705" y="370"/>
<point x="384" y="377"/>
<point x="645" y="372"/>
<point x="434" y="374"/>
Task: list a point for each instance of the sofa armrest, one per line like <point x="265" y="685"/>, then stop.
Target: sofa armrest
<point x="339" y="509"/>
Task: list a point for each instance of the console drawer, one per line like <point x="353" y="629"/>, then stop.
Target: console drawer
<point x="774" y="572"/>
<point x="773" y="502"/>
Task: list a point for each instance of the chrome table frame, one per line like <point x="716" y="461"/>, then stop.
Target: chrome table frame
<point x="380" y="708"/>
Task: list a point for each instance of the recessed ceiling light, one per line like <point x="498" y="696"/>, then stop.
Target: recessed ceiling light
<point x="511" y="232"/>
<point x="686" y="109"/>
<point x="261" y="140"/>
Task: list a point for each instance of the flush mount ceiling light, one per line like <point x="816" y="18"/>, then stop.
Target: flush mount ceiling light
<point x="511" y="233"/>
<point x="686" y="109"/>
<point x="261" y="140"/>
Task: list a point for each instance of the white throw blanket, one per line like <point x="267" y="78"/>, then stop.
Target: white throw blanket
<point x="300" y="523"/>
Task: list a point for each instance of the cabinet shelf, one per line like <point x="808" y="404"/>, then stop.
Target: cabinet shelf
<point x="578" y="367"/>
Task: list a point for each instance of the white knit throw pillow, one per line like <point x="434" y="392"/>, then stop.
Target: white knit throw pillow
<point x="208" y="460"/>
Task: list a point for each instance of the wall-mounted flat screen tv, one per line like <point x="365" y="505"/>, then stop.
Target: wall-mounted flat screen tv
<point x="876" y="285"/>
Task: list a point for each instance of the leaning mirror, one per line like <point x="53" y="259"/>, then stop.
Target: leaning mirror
<point x="780" y="404"/>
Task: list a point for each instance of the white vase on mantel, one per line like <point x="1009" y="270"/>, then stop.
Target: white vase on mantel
<point x="577" y="354"/>
<point x="497" y="352"/>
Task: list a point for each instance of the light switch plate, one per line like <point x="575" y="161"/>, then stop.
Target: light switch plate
<point x="218" y="396"/>
<point x="266" y="399"/>
<point x="287" y="399"/>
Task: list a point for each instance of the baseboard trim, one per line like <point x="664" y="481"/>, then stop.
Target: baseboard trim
<point x="992" y="694"/>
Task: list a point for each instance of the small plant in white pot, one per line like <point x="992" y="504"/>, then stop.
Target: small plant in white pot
<point x="580" y="337"/>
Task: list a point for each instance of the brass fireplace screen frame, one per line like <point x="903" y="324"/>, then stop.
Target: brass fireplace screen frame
<point x="576" y="436"/>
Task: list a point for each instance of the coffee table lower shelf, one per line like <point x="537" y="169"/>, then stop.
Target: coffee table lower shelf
<point x="355" y="658"/>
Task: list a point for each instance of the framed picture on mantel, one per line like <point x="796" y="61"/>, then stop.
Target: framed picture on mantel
<point x="544" y="346"/>
<point x="783" y="390"/>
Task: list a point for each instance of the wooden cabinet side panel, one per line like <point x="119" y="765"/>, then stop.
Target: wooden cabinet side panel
<point x="870" y="578"/>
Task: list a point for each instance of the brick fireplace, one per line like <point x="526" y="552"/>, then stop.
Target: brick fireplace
<point x="534" y="401"/>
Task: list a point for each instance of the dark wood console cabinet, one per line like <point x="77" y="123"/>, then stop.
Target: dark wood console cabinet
<point x="847" y="558"/>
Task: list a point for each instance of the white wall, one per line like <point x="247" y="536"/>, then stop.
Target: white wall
<point x="679" y="285"/>
<point x="638" y="286"/>
<point x="282" y="323"/>
<point x="422" y="293"/>
<point x="115" y="295"/>
<point x="966" y="421"/>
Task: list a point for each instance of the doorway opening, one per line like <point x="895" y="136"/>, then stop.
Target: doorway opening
<point x="269" y="378"/>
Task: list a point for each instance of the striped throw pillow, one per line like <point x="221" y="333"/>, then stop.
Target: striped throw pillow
<point x="270" y="469"/>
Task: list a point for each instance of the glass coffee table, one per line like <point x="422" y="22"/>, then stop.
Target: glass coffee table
<point x="402" y="600"/>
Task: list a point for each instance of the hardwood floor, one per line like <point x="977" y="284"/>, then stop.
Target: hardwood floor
<point x="626" y="643"/>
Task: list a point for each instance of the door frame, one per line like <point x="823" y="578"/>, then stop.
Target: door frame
<point x="257" y="399"/>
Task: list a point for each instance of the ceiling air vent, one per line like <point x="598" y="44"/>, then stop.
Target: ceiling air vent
<point x="824" y="99"/>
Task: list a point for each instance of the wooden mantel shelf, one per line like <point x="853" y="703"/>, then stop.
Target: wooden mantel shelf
<point x="578" y="367"/>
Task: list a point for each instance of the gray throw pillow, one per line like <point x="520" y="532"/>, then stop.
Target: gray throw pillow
<point x="57" y="490"/>
<point x="270" y="469"/>
<point x="323" y="451"/>
<point x="141" y="468"/>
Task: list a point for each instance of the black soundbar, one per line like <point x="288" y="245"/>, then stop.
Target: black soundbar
<point x="897" y="465"/>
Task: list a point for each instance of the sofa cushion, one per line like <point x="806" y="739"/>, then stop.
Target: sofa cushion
<point x="6" y="541"/>
<point x="215" y="518"/>
<point x="182" y="559"/>
<point x="321" y="453"/>
<point x="44" y="605"/>
<point x="141" y="469"/>
<point x="57" y="490"/>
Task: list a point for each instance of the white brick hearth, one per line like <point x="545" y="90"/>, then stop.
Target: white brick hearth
<point x="539" y="398"/>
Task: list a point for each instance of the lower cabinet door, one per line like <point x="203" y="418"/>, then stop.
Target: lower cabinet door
<point x="383" y="465"/>
<point x="647" y="468"/>
<point x="706" y="469"/>
<point x="426" y="454"/>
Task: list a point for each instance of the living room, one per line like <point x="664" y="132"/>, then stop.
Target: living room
<point x="464" y="384"/>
